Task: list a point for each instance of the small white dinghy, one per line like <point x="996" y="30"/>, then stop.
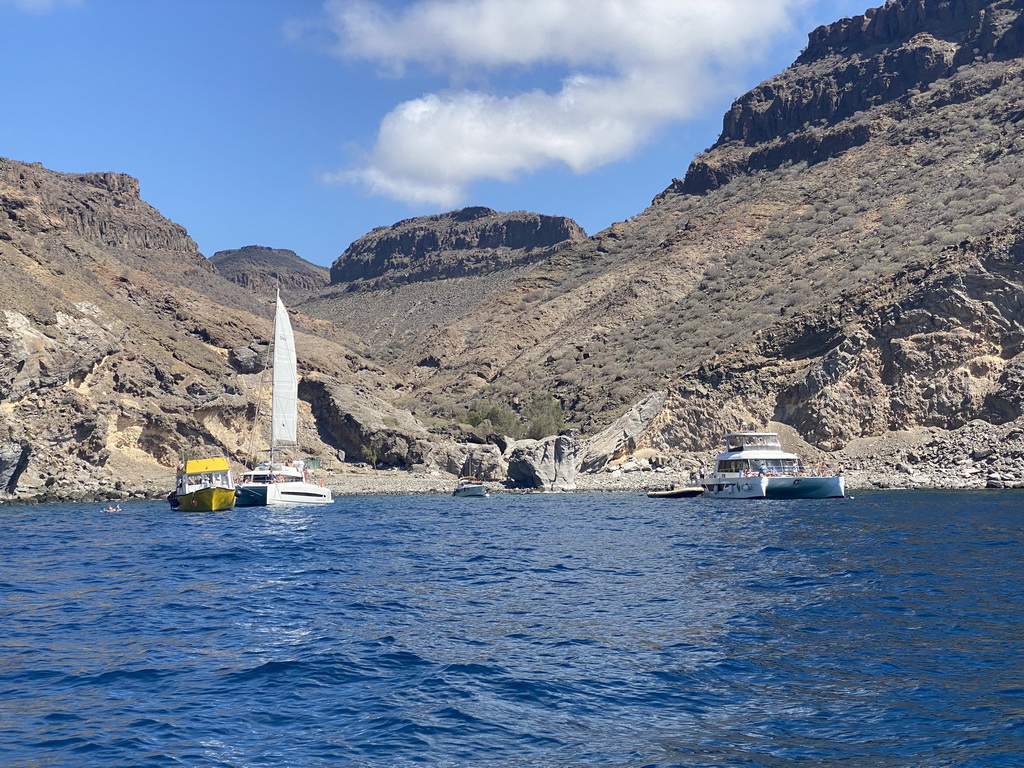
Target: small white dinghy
<point x="470" y="486"/>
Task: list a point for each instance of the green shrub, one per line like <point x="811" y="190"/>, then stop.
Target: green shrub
<point x="545" y="416"/>
<point x="502" y="420"/>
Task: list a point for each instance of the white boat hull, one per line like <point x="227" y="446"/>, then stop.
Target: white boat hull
<point x="294" y="494"/>
<point x="282" y="494"/>
<point x="775" y="487"/>
<point x="470" y="490"/>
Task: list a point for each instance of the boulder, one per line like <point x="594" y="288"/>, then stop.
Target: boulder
<point x="484" y="462"/>
<point x="251" y="359"/>
<point x="548" y="464"/>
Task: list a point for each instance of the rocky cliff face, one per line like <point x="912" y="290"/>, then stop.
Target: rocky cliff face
<point x="888" y="154"/>
<point x="122" y="350"/>
<point x="937" y="346"/>
<point x="851" y="67"/>
<point x="265" y="270"/>
<point x="455" y="244"/>
<point x="35" y="201"/>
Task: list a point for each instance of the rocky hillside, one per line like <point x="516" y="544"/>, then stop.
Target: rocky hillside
<point x="938" y="346"/>
<point x="872" y="176"/>
<point x="265" y="270"/>
<point x="455" y="244"/>
<point x="122" y="349"/>
<point x="843" y="263"/>
<point x="884" y="57"/>
<point x="393" y="282"/>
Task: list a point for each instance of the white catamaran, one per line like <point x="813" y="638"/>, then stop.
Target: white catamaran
<point x="272" y="482"/>
<point x="754" y="466"/>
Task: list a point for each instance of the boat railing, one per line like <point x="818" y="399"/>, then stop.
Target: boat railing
<point x="743" y="441"/>
<point x="800" y="471"/>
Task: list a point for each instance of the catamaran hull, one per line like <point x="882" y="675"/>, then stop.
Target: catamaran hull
<point x="776" y="487"/>
<point x="251" y="496"/>
<point x="282" y="494"/>
<point x="689" y="492"/>
<point x="297" y="494"/>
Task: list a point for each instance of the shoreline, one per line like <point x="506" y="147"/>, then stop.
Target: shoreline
<point x="389" y="482"/>
<point x="975" y="457"/>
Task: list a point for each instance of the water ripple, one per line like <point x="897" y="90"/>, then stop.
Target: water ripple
<point x="556" y="630"/>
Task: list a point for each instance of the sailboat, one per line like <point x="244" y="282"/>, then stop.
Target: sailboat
<point x="275" y="483"/>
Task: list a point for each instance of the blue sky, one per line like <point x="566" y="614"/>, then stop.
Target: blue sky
<point x="303" y="124"/>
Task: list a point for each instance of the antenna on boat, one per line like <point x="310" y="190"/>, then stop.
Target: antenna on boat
<point x="270" y="354"/>
<point x="267" y="362"/>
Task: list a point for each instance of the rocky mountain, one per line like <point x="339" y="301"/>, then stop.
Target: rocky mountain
<point x="394" y="281"/>
<point x="880" y="59"/>
<point x="455" y="244"/>
<point x="265" y="270"/>
<point x="122" y="350"/>
<point x="843" y="263"/>
<point x="840" y="260"/>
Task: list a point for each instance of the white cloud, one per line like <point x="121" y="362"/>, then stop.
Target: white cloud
<point x="630" y="67"/>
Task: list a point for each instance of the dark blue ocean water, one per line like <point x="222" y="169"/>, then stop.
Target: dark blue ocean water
<point x="520" y="630"/>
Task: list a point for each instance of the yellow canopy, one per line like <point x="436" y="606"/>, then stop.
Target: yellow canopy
<point x="195" y="466"/>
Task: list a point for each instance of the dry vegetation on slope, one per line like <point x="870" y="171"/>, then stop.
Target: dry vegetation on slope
<point x="816" y="219"/>
<point x="844" y="260"/>
<point x="122" y="349"/>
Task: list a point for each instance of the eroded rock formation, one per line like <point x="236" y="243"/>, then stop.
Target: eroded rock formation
<point x="623" y="436"/>
<point x="548" y="464"/>
<point x="455" y="244"/>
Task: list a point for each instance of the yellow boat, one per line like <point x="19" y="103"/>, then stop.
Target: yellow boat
<point x="204" y="485"/>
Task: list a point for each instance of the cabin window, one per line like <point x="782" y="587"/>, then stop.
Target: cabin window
<point x="739" y="442"/>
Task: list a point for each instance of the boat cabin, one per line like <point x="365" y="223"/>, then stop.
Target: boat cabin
<point x="766" y="466"/>
<point x="745" y="441"/>
<point x="197" y="474"/>
<point x="267" y="473"/>
<point x="756" y="453"/>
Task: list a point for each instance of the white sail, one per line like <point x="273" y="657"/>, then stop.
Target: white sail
<point x="286" y="483"/>
<point x="286" y="380"/>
